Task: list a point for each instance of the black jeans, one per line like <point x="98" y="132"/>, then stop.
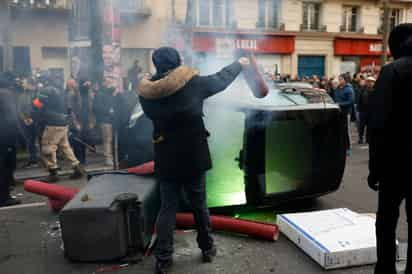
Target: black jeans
<point x="79" y="150"/>
<point x="7" y="168"/>
<point x="362" y="125"/>
<point x="386" y="221"/>
<point x="170" y="194"/>
<point x="30" y="133"/>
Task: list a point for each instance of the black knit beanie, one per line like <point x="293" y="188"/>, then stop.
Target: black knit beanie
<point x="400" y="40"/>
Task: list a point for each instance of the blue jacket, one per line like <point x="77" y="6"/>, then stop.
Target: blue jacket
<point x="344" y="97"/>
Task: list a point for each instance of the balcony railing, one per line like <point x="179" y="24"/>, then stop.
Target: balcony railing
<point x="42" y="4"/>
<point x="321" y="28"/>
<point x="277" y="27"/>
<point x="138" y="7"/>
<point x="353" y="30"/>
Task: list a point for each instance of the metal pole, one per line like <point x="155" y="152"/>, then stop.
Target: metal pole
<point x="386" y="12"/>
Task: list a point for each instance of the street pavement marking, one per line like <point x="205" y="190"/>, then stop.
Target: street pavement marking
<point x="22" y="206"/>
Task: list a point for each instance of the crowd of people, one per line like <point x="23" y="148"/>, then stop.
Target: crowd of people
<point x="74" y="118"/>
<point x="350" y="92"/>
<point x="54" y="119"/>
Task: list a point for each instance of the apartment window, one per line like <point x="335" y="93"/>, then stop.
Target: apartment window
<point x="80" y="21"/>
<point x="350" y="19"/>
<point x="268" y="14"/>
<point x="215" y="13"/>
<point x="395" y="18"/>
<point x="54" y="53"/>
<point x="21" y="60"/>
<point x="311" y="16"/>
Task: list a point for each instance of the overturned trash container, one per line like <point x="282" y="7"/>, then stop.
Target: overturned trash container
<point x="111" y="217"/>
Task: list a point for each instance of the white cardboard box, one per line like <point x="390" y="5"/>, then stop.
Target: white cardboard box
<point x="334" y="238"/>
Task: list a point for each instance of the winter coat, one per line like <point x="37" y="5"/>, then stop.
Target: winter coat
<point x="388" y="120"/>
<point x="174" y="103"/>
<point x="54" y="110"/>
<point x="363" y="99"/>
<point x="104" y="106"/>
<point x="344" y="97"/>
<point x="9" y="122"/>
<point x="25" y="103"/>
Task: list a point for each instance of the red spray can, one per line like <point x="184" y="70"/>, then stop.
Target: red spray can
<point x="254" y="79"/>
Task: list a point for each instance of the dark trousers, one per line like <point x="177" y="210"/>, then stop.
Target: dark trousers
<point x="79" y="149"/>
<point x="30" y="136"/>
<point x="7" y="168"/>
<point x="170" y="193"/>
<point x="362" y="125"/>
<point x="386" y="221"/>
<point x="346" y="122"/>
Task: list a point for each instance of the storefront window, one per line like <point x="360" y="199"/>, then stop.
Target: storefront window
<point x="268" y="14"/>
<point x="311" y="16"/>
<point x="350" y="19"/>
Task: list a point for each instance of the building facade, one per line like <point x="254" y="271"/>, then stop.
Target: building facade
<point x="296" y="37"/>
<point x="38" y="33"/>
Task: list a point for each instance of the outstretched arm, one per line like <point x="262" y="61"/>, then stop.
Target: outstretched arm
<point x="218" y="82"/>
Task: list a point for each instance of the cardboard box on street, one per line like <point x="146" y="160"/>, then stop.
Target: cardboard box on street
<point x="333" y="238"/>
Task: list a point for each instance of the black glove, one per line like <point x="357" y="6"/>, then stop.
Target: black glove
<point x="373" y="182"/>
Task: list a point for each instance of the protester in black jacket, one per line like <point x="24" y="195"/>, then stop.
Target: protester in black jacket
<point x="8" y="135"/>
<point x="362" y="106"/>
<point x="173" y="100"/>
<point x="390" y="146"/>
<point x="104" y="107"/>
<point x="53" y="113"/>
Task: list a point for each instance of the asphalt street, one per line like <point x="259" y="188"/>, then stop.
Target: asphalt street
<point x="30" y="242"/>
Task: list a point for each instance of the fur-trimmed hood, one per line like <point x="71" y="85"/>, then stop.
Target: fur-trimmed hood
<point x="168" y="85"/>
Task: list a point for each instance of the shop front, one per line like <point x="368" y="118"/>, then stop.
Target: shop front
<point x="359" y="54"/>
<point x="214" y="49"/>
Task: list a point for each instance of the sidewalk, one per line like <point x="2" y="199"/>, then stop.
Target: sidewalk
<point x="94" y="163"/>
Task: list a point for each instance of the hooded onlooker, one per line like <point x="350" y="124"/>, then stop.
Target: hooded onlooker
<point x="8" y="136"/>
<point x="365" y="89"/>
<point x="343" y="96"/>
<point x="173" y="100"/>
<point x="390" y="146"/>
<point x="133" y="75"/>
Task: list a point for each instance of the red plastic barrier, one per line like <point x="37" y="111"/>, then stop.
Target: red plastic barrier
<point x="145" y="169"/>
<point x="255" y="80"/>
<point x="56" y="205"/>
<point x="254" y="229"/>
<point x="54" y="192"/>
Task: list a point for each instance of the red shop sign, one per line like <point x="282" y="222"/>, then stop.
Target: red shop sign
<point x="211" y="42"/>
<point x="358" y="47"/>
